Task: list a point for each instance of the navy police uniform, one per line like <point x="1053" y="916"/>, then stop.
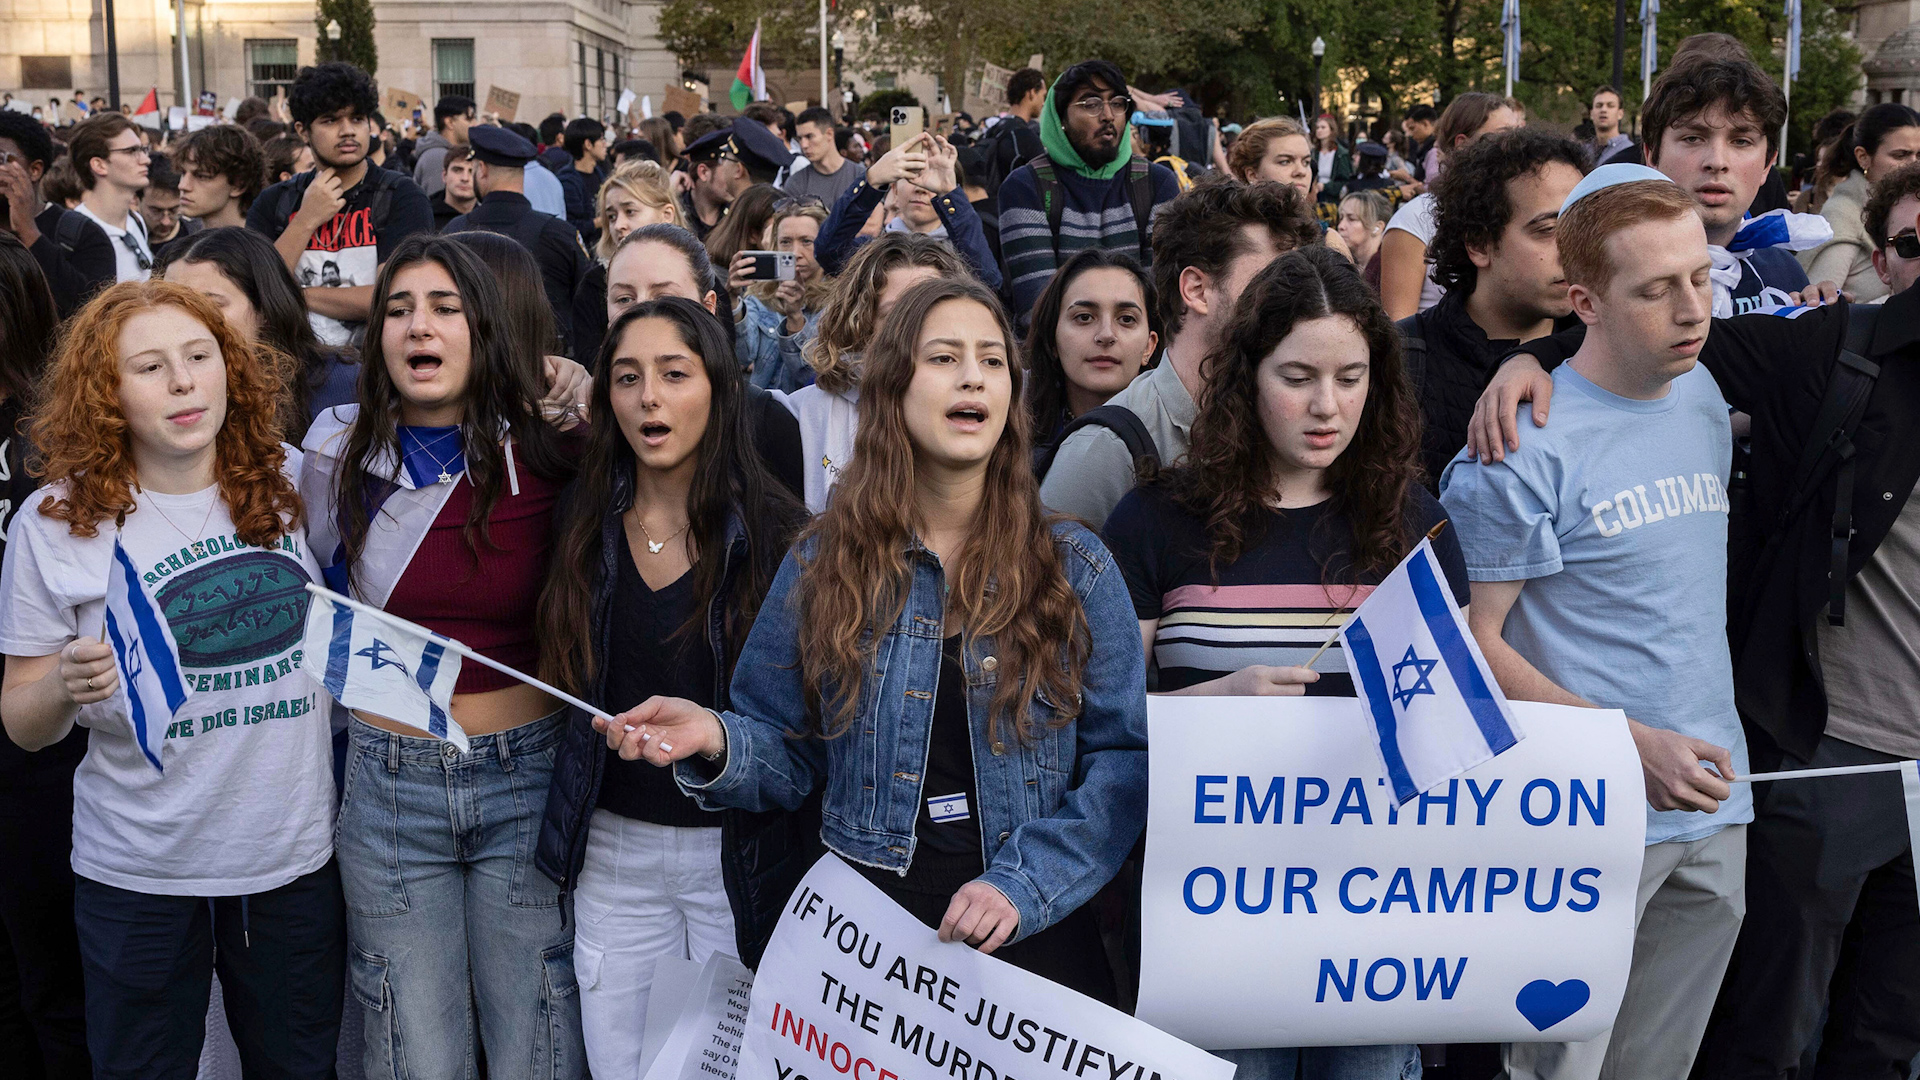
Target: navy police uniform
<point x="556" y="245"/>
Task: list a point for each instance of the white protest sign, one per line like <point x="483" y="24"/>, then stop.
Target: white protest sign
<point x="705" y="1041"/>
<point x="1288" y="901"/>
<point x="625" y="103"/>
<point x="674" y="980"/>
<point x="852" y="986"/>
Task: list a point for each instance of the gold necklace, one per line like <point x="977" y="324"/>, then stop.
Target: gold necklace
<point x="655" y="548"/>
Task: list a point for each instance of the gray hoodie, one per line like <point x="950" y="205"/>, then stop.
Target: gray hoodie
<point x="429" y="159"/>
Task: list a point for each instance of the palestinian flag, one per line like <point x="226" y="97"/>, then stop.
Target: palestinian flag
<point x="150" y="103"/>
<point x="750" y="82"/>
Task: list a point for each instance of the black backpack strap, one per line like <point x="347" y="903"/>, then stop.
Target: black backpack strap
<point x="69" y="229"/>
<point x="1830" y="445"/>
<point x="384" y="181"/>
<point x="1123" y="422"/>
<point x="1052" y="196"/>
<point x="1413" y="352"/>
<point x="1140" y="177"/>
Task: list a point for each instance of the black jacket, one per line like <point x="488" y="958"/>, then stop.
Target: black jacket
<point x="77" y="260"/>
<point x="1777" y="370"/>
<point x="1450" y="360"/>
<point x="555" y="246"/>
<point x="763" y="856"/>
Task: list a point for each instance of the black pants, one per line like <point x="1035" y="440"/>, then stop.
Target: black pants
<point x="1069" y="952"/>
<point x="149" y="967"/>
<point x="1823" y="854"/>
<point x="42" y="1009"/>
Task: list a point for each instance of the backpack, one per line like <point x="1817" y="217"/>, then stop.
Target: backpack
<point x="383" y="183"/>
<point x="1054" y="197"/>
<point x="69" y="229"/>
<point x="1002" y="153"/>
<point x="1118" y="419"/>
<point x="1829" y="446"/>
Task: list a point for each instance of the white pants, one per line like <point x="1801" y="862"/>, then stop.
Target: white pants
<point x="646" y="891"/>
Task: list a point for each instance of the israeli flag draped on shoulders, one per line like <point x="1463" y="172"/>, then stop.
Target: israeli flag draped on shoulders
<point x="1428" y="694"/>
<point x="384" y="665"/>
<point x="145" y="653"/>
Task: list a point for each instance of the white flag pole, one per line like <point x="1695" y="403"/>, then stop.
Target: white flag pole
<point x="1838" y="770"/>
<point x="454" y="647"/>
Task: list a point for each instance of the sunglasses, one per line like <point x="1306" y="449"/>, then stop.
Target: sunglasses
<point x="1906" y="245"/>
<point x="797" y="202"/>
<point x="139" y="256"/>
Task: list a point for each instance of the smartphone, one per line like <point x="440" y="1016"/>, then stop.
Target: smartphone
<point x="907" y="122"/>
<point x="771" y="265"/>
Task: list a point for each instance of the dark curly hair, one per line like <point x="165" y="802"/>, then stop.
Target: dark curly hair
<point x="328" y="88"/>
<point x="229" y="151"/>
<point x="1228" y="475"/>
<point x="1693" y="86"/>
<point x="1202" y="229"/>
<point x="1472" y="205"/>
<point x="1901" y="183"/>
<point x="29" y="135"/>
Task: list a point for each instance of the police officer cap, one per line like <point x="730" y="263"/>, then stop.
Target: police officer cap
<point x="757" y="148"/>
<point x="500" y="147"/>
<point x="711" y="145"/>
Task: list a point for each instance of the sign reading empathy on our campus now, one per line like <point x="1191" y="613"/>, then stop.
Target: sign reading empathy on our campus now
<point x="1288" y="901"/>
<point x="853" y="986"/>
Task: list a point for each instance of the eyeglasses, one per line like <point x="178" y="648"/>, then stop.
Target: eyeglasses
<point x="797" y="202"/>
<point x="1122" y="106"/>
<point x="138" y="148"/>
<point x="1906" y="245"/>
<point x="142" y="258"/>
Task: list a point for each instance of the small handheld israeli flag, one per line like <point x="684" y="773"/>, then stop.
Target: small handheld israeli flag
<point x="1434" y="706"/>
<point x="384" y="665"/>
<point x="148" y="659"/>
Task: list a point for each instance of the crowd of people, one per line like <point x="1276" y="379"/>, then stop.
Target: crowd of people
<point x="870" y="490"/>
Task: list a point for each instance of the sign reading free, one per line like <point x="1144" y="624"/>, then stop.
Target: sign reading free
<point x="1288" y="901"/>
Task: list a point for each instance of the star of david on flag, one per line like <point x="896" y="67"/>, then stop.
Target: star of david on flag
<point x="384" y="665"/>
<point x="1427" y="693"/>
<point x="148" y="658"/>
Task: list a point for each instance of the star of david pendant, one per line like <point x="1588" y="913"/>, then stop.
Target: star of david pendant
<point x="446" y="477"/>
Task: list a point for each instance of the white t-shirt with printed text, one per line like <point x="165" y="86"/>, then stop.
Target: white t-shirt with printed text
<point x="246" y="801"/>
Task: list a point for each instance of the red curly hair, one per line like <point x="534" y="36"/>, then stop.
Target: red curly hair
<point x="79" y="432"/>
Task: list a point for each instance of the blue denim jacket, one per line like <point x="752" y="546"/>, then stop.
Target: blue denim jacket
<point x="773" y="358"/>
<point x="1057" y="816"/>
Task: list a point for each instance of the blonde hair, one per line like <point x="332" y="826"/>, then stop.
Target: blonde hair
<point x="644" y="180"/>
<point x="1251" y="146"/>
<point x="852" y="318"/>
<point x="814" y="293"/>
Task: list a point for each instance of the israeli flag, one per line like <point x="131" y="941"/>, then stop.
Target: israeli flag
<point x="143" y="647"/>
<point x="384" y="665"/>
<point x="1434" y="706"/>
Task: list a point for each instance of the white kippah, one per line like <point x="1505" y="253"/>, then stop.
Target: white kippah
<point x="1607" y="176"/>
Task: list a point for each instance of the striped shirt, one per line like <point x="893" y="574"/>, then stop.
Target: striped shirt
<point x="1275" y="605"/>
<point x="1096" y="213"/>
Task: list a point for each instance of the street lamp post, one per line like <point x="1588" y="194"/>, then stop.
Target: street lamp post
<point x="333" y="39"/>
<point x="839" y="70"/>
<point x="1319" y="59"/>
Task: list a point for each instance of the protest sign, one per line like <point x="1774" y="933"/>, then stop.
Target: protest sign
<point x="852" y="986"/>
<point x="399" y="104"/>
<point x="504" y="104"/>
<point x="683" y="101"/>
<point x="625" y="104"/>
<point x="993" y="83"/>
<point x="1288" y="900"/>
<point x="704" y="1043"/>
<point x="674" y="980"/>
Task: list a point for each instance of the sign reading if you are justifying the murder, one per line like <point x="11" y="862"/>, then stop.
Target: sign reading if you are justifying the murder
<point x="852" y="986"/>
<point x="1288" y="901"/>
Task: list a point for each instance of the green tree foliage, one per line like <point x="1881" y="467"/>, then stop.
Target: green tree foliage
<point x="1253" y="57"/>
<point x="356" y="33"/>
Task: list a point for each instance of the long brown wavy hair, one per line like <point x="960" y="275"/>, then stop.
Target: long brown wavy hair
<point x="1006" y="582"/>
<point x="503" y="387"/>
<point x="848" y="322"/>
<point x="732" y="480"/>
<point x="1228" y="475"/>
<point x="80" y="436"/>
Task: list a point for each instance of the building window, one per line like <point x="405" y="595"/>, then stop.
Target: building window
<point x="604" y="105"/>
<point x="453" y="67"/>
<point x="46" y="72"/>
<point x="580" y="73"/>
<point x="271" y="65"/>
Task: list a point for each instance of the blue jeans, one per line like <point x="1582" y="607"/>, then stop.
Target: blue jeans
<point x="1326" y="1063"/>
<point x="446" y="913"/>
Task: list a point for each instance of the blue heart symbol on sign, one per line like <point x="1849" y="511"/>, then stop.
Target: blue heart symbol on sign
<point x="1545" y="1003"/>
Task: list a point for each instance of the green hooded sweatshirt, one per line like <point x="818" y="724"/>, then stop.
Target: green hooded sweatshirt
<point x="1053" y="137"/>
